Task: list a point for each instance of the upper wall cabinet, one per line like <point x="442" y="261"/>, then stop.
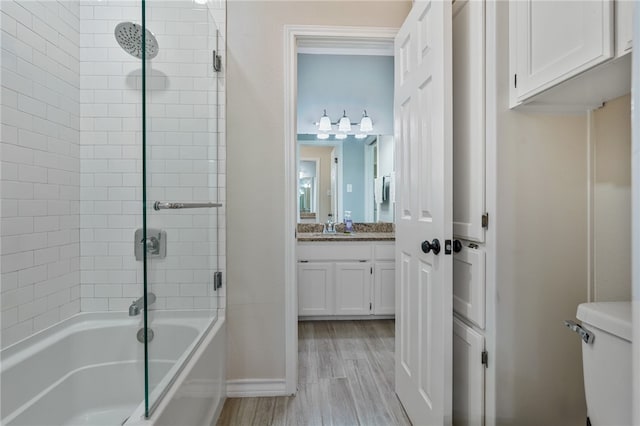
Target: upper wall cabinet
<point x="564" y="55"/>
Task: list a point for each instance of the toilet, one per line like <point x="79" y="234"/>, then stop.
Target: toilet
<point x="606" y="361"/>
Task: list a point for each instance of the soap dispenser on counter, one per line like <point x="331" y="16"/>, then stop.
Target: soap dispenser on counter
<point x="348" y="223"/>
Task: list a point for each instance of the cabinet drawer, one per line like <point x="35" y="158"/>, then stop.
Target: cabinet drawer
<point x="469" y="284"/>
<point x="384" y="251"/>
<point x="334" y="251"/>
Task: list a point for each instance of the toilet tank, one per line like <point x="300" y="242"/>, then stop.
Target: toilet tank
<point x="606" y="362"/>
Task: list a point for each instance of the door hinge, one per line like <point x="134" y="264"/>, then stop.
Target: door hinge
<point x="371" y="270"/>
<point x="370" y="306"/>
<point x="217" y="280"/>
<point x="485" y="221"/>
<point x="515" y="80"/>
<point x="485" y="359"/>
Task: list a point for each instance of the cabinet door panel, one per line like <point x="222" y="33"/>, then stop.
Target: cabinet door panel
<point x="468" y="120"/>
<point x="315" y="289"/>
<point x="624" y="26"/>
<point x="556" y="40"/>
<point x="468" y="376"/>
<point x="469" y="284"/>
<point x="353" y="288"/>
<point x="384" y="301"/>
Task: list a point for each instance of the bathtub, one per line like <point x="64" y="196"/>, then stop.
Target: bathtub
<point x="89" y="370"/>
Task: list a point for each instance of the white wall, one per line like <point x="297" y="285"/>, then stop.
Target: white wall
<point x="611" y="182"/>
<point x="350" y="83"/>
<point x="541" y="258"/>
<point x="40" y="165"/>
<point x="255" y="308"/>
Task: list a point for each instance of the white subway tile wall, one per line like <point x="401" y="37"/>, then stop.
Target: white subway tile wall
<point x="182" y="154"/>
<point x="71" y="158"/>
<point x="40" y="165"/>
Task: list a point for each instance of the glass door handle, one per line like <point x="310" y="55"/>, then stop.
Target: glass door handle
<point x="160" y="205"/>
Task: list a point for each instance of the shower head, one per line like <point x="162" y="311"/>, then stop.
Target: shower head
<point x="129" y="37"/>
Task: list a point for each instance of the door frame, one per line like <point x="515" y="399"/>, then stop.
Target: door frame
<point x="293" y="34"/>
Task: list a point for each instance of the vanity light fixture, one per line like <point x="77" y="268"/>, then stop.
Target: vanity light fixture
<point x="345" y="124"/>
<point x="325" y="126"/>
<point x="366" y="125"/>
<point x="325" y="123"/>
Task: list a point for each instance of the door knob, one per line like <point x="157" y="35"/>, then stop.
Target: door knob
<point x="457" y="246"/>
<point x="429" y="246"/>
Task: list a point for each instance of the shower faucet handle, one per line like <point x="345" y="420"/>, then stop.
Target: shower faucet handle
<point x="154" y="245"/>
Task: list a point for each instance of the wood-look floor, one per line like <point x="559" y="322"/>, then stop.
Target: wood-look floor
<point x="345" y="377"/>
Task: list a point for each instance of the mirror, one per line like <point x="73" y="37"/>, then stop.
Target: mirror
<point x="352" y="174"/>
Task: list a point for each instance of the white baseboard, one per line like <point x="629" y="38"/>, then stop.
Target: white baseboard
<point x="256" y="387"/>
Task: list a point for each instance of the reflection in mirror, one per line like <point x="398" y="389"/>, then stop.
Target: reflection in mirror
<point x="308" y="189"/>
<point x="353" y="175"/>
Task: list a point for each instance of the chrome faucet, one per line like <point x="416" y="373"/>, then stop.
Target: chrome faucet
<point x="137" y="305"/>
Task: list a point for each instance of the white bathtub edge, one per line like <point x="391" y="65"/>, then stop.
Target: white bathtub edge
<point x="210" y="353"/>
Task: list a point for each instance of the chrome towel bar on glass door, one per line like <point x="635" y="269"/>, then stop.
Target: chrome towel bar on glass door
<point x="159" y="205"/>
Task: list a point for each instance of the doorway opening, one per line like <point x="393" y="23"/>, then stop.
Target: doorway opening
<point x="316" y="40"/>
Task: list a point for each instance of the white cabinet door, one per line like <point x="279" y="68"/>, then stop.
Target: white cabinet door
<point x="469" y="284"/>
<point x="552" y="41"/>
<point x="624" y="26"/>
<point x="384" y="285"/>
<point x="468" y="120"/>
<point x="468" y="376"/>
<point x="353" y="288"/>
<point x="315" y="289"/>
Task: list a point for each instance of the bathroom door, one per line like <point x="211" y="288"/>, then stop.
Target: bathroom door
<point x="423" y="127"/>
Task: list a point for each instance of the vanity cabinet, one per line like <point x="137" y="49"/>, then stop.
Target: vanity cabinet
<point x="346" y="279"/>
<point x="569" y="55"/>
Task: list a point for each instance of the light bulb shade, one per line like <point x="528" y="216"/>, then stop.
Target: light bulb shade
<point x="345" y="124"/>
<point x="366" y="125"/>
<point x="322" y="136"/>
<point x="341" y="135"/>
<point x="325" y="124"/>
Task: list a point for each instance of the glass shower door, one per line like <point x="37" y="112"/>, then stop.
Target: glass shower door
<point x="180" y="186"/>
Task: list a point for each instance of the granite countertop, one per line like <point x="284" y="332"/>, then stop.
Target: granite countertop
<point x="362" y="232"/>
<point x="341" y="236"/>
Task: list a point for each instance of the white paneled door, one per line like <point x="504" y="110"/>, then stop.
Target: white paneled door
<point x="423" y="126"/>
